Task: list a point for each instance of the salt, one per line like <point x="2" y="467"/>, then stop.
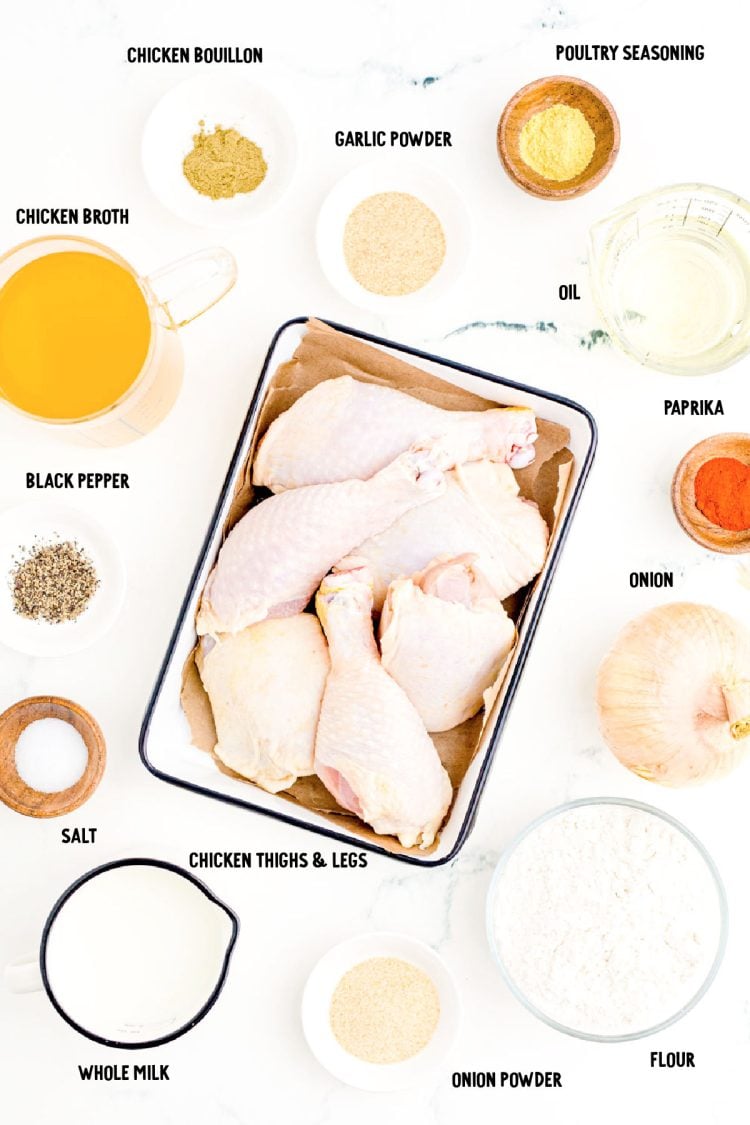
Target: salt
<point x="50" y="755"/>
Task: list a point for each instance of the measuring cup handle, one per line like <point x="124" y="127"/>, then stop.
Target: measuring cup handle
<point x="186" y="288"/>
<point x="24" y="975"/>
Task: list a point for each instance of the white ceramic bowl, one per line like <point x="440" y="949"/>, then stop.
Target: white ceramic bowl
<point x="383" y="176"/>
<point x="20" y="527"/>
<point x="231" y="103"/>
<point x="316" y="1005"/>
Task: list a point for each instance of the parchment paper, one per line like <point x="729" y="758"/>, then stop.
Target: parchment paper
<point x="325" y="353"/>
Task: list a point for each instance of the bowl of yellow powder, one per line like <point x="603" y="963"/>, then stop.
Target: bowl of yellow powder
<point x="218" y="151"/>
<point x="393" y="234"/>
<point x="558" y="137"/>
<point x="380" y="1011"/>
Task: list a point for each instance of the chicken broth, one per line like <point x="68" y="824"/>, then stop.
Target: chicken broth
<point x="74" y="335"/>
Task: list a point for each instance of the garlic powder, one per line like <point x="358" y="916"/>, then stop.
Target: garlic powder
<point x="393" y="243"/>
<point x="607" y="919"/>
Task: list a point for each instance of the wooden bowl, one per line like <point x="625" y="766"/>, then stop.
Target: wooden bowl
<point x="19" y="796"/>
<point x="543" y="94"/>
<point x="683" y="493"/>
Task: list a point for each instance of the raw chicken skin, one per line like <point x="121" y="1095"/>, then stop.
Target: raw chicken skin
<point x="372" y="751"/>
<point x="275" y="557"/>
<point x="444" y="636"/>
<point x="344" y="429"/>
<point x="265" y="685"/>
<point x="479" y="513"/>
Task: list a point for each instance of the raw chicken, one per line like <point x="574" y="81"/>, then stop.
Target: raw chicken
<point x="265" y="685"/>
<point x="372" y="751"/>
<point x="479" y="513"/>
<point x="344" y="429"/>
<point x="275" y="557"/>
<point x="444" y="636"/>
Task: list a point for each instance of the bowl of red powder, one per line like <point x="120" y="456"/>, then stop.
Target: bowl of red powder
<point x="711" y="493"/>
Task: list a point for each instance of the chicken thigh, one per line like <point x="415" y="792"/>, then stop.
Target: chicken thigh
<point x="344" y="429"/>
<point x="372" y="751"/>
<point x="444" y="637"/>
<point x="479" y="513"/>
<point x="274" y="558"/>
<point x="265" y="685"/>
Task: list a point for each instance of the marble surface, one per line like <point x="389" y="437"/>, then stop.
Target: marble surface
<point x="72" y="126"/>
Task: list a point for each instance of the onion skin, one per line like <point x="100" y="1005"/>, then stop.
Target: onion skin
<point x="674" y="694"/>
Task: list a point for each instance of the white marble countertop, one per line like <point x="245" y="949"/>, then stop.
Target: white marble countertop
<point x="72" y="126"/>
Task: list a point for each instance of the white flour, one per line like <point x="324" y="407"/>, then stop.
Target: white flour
<point x="607" y="919"/>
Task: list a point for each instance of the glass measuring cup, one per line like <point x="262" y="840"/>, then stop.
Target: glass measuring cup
<point x="169" y="299"/>
<point x="670" y="274"/>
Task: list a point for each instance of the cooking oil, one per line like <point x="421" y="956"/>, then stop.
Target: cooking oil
<point x="682" y="293"/>
<point x="671" y="276"/>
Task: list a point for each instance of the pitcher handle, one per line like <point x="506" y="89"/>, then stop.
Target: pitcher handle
<point x="188" y="287"/>
<point x="599" y="233"/>
<point x="24" y="975"/>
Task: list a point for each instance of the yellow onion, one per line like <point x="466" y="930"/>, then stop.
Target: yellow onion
<point x="674" y="694"/>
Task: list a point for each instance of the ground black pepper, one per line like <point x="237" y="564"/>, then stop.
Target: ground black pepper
<point x="53" y="582"/>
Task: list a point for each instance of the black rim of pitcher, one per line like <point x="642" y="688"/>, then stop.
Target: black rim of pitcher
<point x="138" y="861"/>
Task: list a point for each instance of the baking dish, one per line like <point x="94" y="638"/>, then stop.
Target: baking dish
<point x="165" y="741"/>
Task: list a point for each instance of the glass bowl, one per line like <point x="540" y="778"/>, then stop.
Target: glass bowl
<point x="518" y="993"/>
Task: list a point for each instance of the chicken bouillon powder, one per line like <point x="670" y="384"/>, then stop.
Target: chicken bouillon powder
<point x="223" y="163"/>
<point x="384" y="1010"/>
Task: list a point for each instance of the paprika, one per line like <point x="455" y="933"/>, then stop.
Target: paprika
<point x="722" y="493"/>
